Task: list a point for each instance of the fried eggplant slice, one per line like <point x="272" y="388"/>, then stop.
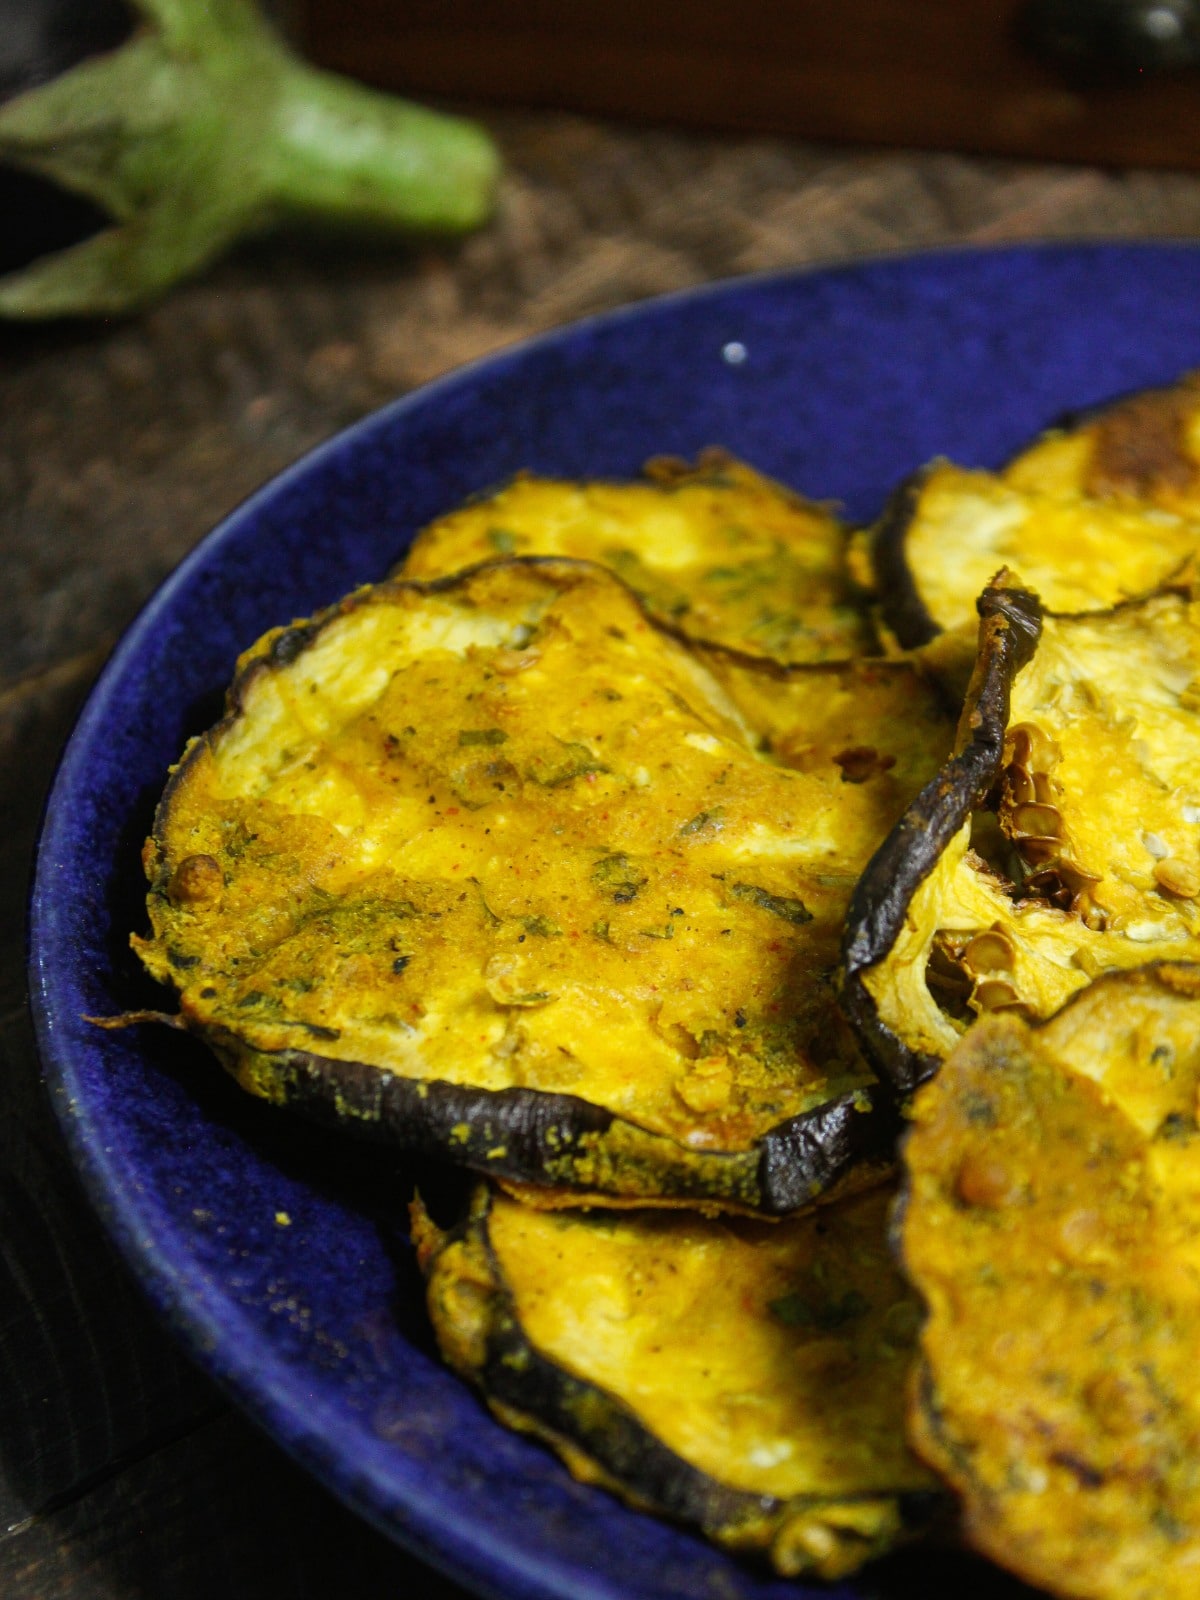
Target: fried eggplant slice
<point x="1049" y="1224"/>
<point x="1062" y="840"/>
<point x="1142" y="449"/>
<point x="491" y="866"/>
<point x="744" y="1377"/>
<point x="886" y="722"/>
<point x="948" y="531"/>
<point x="718" y="550"/>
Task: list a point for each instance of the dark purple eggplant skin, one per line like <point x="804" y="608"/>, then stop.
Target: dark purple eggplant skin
<point x="1010" y="627"/>
<point x="899" y="599"/>
<point x="516" y="1374"/>
<point x="44" y="218"/>
<point x="40" y="40"/>
<point x="1108" y="43"/>
<point x="529" y="1136"/>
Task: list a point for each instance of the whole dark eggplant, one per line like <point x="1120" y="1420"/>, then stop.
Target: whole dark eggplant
<point x="40" y="40"/>
<point x="137" y="142"/>
<point x="1097" y="42"/>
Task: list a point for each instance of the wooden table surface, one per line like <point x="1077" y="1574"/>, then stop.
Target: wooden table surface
<point x="123" y="1472"/>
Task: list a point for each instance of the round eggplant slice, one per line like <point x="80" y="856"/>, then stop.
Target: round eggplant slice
<point x="744" y="1377"/>
<point x="1049" y="1224"/>
<point x="1141" y="449"/>
<point x="886" y="722"/>
<point x="1062" y="841"/>
<point x="492" y="866"/>
<point x="719" y="551"/>
<point x="948" y="531"/>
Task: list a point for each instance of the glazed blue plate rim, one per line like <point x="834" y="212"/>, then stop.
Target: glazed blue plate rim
<point x="200" y="1310"/>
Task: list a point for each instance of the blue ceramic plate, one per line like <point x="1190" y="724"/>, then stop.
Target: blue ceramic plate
<point x="839" y="382"/>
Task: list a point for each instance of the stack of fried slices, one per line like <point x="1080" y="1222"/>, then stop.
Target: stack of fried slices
<point x="621" y="848"/>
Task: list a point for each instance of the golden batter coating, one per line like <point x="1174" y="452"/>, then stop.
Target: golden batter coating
<point x="502" y="835"/>
<point x="951" y="530"/>
<point x="886" y="722"/>
<point x="744" y="1376"/>
<point x="716" y="550"/>
<point x="1142" y="449"/>
<point x="1089" y="858"/>
<point x="1053" y="1176"/>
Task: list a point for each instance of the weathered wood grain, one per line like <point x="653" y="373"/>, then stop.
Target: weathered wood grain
<point x="85" y="1375"/>
<point x="218" y="1511"/>
<point x="121" y="444"/>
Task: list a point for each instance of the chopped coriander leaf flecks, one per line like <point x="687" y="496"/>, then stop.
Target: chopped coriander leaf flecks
<point x="779" y="905"/>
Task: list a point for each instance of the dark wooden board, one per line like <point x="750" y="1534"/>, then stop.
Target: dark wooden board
<point x="933" y="74"/>
<point x="215" y="1511"/>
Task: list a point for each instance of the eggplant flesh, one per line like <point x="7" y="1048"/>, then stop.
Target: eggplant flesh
<point x="1142" y="449"/>
<point x="1101" y="508"/>
<point x="949" y="530"/>
<point x="1048" y="1223"/>
<point x="494" y="866"/>
<point x="745" y="1377"/>
<point x="716" y="550"/>
<point x="900" y="1025"/>
<point x="1073" y="848"/>
<point x="887" y="722"/>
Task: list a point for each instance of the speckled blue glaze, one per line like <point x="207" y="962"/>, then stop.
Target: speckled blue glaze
<point x="839" y="382"/>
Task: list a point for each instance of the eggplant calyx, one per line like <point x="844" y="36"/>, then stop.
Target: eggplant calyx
<point x="204" y="127"/>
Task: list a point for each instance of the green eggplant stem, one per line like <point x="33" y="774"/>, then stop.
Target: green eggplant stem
<point x="204" y="127"/>
<point x="345" y="155"/>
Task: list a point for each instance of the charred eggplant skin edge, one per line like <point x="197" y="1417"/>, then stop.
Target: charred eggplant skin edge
<point x="900" y="600"/>
<point x="564" y="1142"/>
<point x="1011" y="625"/>
<point x="291" y="641"/>
<point x="529" y="1136"/>
<point x="516" y="1375"/>
<point x="1077" y="418"/>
